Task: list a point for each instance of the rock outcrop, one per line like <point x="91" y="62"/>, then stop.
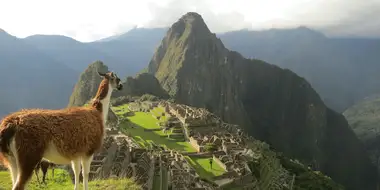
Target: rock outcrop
<point x="272" y="104"/>
<point x="87" y="86"/>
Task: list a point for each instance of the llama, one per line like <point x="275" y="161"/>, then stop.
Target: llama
<point x="64" y="136"/>
<point x="44" y="166"/>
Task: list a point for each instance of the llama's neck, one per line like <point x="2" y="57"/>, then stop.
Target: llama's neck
<point x="101" y="102"/>
<point x="106" y="104"/>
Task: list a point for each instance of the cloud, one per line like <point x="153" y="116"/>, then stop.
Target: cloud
<point x="88" y="20"/>
<point x="335" y="17"/>
<point x="166" y="15"/>
<point x="361" y="18"/>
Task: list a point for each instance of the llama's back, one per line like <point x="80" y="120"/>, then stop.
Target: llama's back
<point x="72" y="132"/>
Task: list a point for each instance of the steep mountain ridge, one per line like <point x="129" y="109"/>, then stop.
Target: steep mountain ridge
<point x="273" y="104"/>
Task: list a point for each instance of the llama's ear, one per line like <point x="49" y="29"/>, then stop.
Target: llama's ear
<point x="101" y="74"/>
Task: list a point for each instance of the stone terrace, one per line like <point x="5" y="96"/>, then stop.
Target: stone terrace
<point x="181" y="174"/>
<point x="201" y="128"/>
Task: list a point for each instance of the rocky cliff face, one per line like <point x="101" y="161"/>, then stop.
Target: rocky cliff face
<point x="87" y="86"/>
<point x="273" y="104"/>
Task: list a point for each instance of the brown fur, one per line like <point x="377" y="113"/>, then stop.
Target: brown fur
<point x="76" y="132"/>
<point x="64" y="128"/>
<point x="100" y="95"/>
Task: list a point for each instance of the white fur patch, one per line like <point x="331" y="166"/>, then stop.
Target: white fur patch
<point x="106" y="103"/>
<point x="13" y="161"/>
<point x="52" y="155"/>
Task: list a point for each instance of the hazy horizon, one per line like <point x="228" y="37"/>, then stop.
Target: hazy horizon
<point x="88" y="21"/>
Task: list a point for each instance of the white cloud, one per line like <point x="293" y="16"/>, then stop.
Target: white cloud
<point x="87" y="20"/>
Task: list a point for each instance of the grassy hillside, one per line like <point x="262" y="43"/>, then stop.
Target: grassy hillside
<point x="62" y="181"/>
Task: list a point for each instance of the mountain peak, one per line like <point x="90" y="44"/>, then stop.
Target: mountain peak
<point x="97" y="65"/>
<point x="188" y="37"/>
<point x="88" y="84"/>
<point x="192" y="16"/>
<point x="190" y="23"/>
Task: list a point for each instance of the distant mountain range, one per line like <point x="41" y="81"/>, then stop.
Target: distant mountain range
<point x="31" y="78"/>
<point x="342" y="70"/>
<point x="41" y="70"/>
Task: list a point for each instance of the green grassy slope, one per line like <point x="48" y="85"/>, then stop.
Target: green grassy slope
<point x="62" y="181"/>
<point x="141" y="121"/>
<point x="137" y="124"/>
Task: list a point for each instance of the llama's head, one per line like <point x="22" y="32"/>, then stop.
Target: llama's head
<point x="113" y="79"/>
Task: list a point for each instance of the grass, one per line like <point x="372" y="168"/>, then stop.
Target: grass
<point x="157" y="111"/>
<point x="202" y="166"/>
<point x="141" y="136"/>
<point x="143" y="121"/>
<point x="62" y="181"/>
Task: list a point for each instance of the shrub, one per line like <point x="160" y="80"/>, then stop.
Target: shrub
<point x="120" y="100"/>
<point x="148" y="97"/>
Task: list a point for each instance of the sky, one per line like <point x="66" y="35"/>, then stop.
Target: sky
<point x="89" y="20"/>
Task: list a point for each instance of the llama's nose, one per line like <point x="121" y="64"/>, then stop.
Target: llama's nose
<point x="120" y="86"/>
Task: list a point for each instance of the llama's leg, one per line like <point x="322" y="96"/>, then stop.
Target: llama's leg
<point x="75" y="164"/>
<point x="13" y="168"/>
<point x="44" y="171"/>
<point x="13" y="162"/>
<point x="43" y="177"/>
<point x="27" y="164"/>
<point x="86" y="163"/>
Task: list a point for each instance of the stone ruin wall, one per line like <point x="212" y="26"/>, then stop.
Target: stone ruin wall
<point x="236" y="134"/>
